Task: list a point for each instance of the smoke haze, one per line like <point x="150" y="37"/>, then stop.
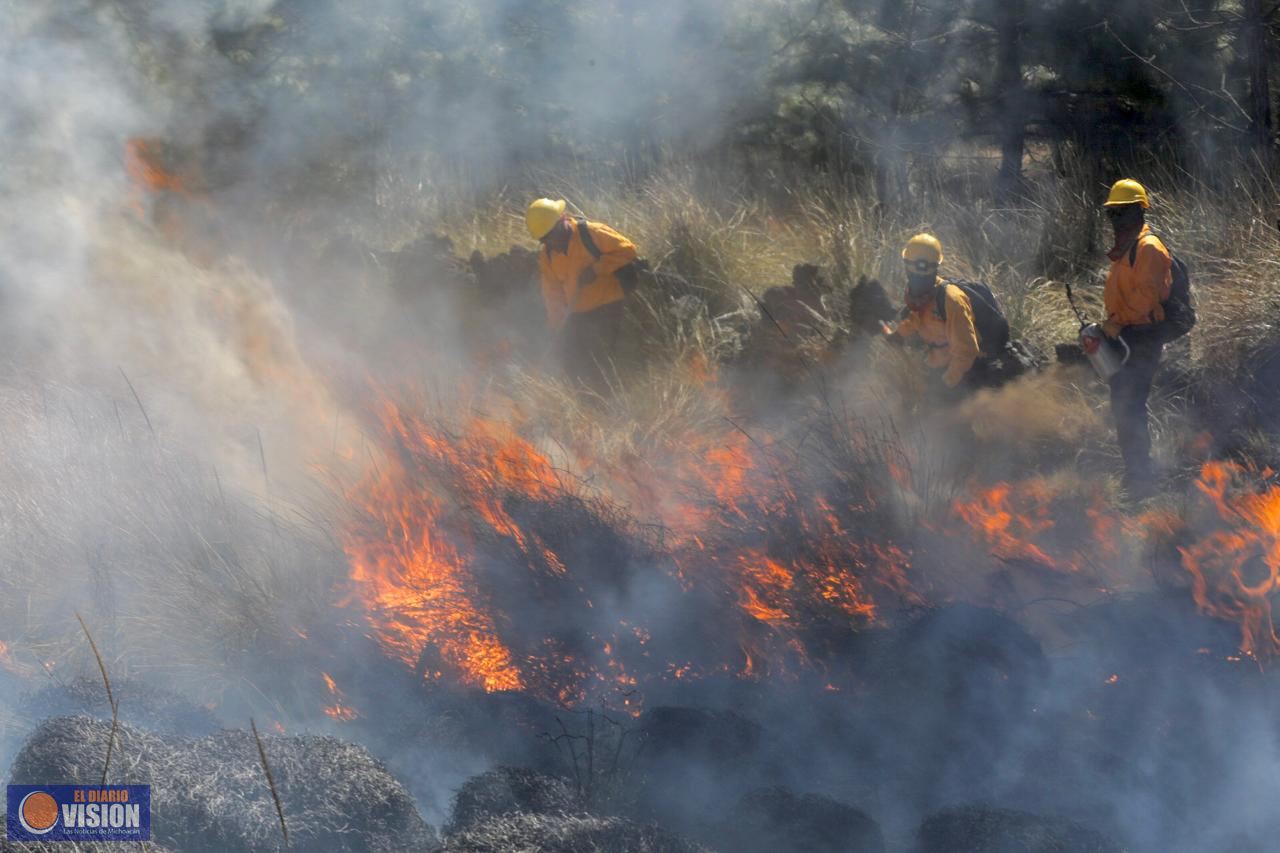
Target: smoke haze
<point x="196" y="426"/>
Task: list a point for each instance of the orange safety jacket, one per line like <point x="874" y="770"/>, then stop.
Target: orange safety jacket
<point x="1134" y="291"/>
<point x="952" y="340"/>
<point x="561" y="270"/>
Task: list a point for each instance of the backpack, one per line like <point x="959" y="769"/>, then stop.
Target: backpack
<point x="1180" y="307"/>
<point x="628" y="276"/>
<point x="988" y="319"/>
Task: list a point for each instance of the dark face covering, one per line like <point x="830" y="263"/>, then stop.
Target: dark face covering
<point x="920" y="288"/>
<point x="557" y="239"/>
<point x="1126" y="222"/>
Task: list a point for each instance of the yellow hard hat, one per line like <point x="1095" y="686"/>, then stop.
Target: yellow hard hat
<point x="923" y="252"/>
<point x="543" y="215"/>
<point x="1127" y="191"/>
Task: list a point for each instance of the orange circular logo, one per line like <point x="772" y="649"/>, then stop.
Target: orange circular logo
<point x="38" y="812"/>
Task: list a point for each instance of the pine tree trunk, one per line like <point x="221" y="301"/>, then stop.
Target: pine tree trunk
<point x="1258" y="55"/>
<point x="1011" y="99"/>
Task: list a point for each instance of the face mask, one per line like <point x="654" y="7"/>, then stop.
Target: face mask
<point x="1125" y="218"/>
<point x="921" y="285"/>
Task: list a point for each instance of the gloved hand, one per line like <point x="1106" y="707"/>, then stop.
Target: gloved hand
<point x="1111" y="329"/>
<point x="586" y="277"/>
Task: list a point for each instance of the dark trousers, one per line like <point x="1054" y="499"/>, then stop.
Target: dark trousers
<point x="1130" y="389"/>
<point x="587" y="348"/>
<point x="981" y="375"/>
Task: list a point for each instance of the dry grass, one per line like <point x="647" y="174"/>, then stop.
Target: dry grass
<point x="182" y="575"/>
<point x="566" y="834"/>
<point x="723" y="241"/>
<point x="717" y="243"/>
<point x="209" y="795"/>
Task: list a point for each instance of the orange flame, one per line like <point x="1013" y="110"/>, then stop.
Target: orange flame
<point x="733" y="526"/>
<point x="412" y="578"/>
<point x="1020" y="521"/>
<point x="1009" y="533"/>
<point x="1235" y="572"/>
<point x="338" y="710"/>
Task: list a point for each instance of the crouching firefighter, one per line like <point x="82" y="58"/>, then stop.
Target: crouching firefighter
<point x="1148" y="303"/>
<point x="586" y="268"/>
<point x="959" y="322"/>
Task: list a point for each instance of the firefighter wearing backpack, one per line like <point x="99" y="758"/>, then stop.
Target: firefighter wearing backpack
<point x="583" y="266"/>
<point x="960" y="323"/>
<point x="1148" y="303"/>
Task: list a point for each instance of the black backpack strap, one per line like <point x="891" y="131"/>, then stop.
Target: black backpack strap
<point x="584" y="234"/>
<point x="1133" y="250"/>
<point x="940" y="299"/>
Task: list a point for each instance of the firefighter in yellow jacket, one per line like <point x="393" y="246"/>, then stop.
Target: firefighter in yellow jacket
<point x="1138" y="285"/>
<point x="581" y="264"/>
<point x="951" y="337"/>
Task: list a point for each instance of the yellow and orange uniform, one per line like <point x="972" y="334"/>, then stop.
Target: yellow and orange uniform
<point x="562" y="271"/>
<point x="1134" y="292"/>
<point x="952" y="340"/>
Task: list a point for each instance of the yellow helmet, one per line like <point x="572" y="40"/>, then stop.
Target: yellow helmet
<point x="1127" y="191"/>
<point x="923" y="252"/>
<point x="543" y="215"/>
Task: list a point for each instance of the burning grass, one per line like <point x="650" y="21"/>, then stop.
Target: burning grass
<point x="777" y="530"/>
<point x="773" y="552"/>
<point x="693" y="523"/>
<point x="1235" y="565"/>
<point x="663" y="540"/>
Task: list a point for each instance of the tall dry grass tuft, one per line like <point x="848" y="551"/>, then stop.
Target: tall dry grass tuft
<point x="271" y="782"/>
<point x="111" y="699"/>
<point x="184" y="576"/>
<point x="1235" y="264"/>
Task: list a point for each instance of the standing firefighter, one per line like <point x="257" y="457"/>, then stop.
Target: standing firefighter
<point x="1138" y="287"/>
<point x="959" y="322"/>
<point x="583" y="266"/>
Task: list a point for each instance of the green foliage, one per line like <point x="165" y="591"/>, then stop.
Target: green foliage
<point x="327" y="96"/>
